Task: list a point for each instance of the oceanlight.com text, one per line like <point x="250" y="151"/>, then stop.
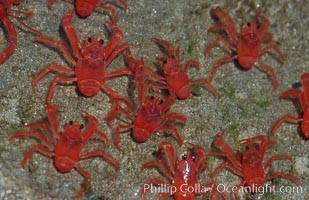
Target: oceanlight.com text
<point x="267" y="188"/>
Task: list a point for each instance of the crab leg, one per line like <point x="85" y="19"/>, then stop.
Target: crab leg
<point x="115" y="101"/>
<point x="215" y="42"/>
<point x="170" y="100"/>
<point x="122" y="110"/>
<point x="167" y="45"/>
<point x="12" y="39"/>
<point x="114" y="53"/>
<point x="219" y="63"/>
<point x="275" y="48"/>
<point x="270" y="73"/>
<point x="200" y="155"/>
<point x="119" y="72"/>
<point x="84" y="186"/>
<point x="136" y="64"/>
<point x="140" y="79"/>
<point x="29" y="13"/>
<point x="60" y="45"/>
<point x="51" y="115"/>
<point x="50" y="3"/>
<point x="33" y="134"/>
<point x="225" y="149"/>
<point x="299" y="94"/>
<point x="168" y="149"/>
<point x="161" y="165"/>
<point x="57" y="79"/>
<point x="207" y="84"/>
<point x="48" y="69"/>
<point x="66" y="23"/>
<point x="112" y="10"/>
<point x="117" y="134"/>
<point x="175" y="116"/>
<point x="142" y="74"/>
<point x="229" y="166"/>
<point x="102" y="154"/>
<point x="15" y="2"/>
<point x="127" y="113"/>
<point x="283" y="175"/>
<point x="114" y="41"/>
<point x="46" y="129"/>
<point x="274" y="158"/>
<point x="265" y="25"/>
<point x="39" y="148"/>
<point x="260" y="138"/>
<point x="123" y="4"/>
<point x="91" y="128"/>
<point x="174" y="132"/>
<point x="191" y="63"/>
<point x="291" y="93"/>
<point x="284" y="118"/>
<point x="228" y="24"/>
<point x="267" y="37"/>
<point x="305" y="84"/>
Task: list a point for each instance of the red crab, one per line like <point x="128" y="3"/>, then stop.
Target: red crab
<point x="152" y="113"/>
<point x="303" y="97"/>
<point x="89" y="61"/>
<point x="5" y="14"/>
<point x="248" y="164"/>
<point x="176" y="78"/>
<point x="84" y="8"/>
<point x="247" y="45"/>
<point x="182" y="173"/>
<point x="64" y="147"/>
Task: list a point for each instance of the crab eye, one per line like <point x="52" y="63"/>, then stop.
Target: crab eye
<point x="151" y="97"/>
<point x="296" y="85"/>
<point x="161" y="101"/>
<point x="70" y="122"/>
<point x="81" y="126"/>
<point x="101" y="41"/>
<point x="89" y="40"/>
<point x="155" y="154"/>
<point x="193" y="157"/>
<point x="248" y="24"/>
